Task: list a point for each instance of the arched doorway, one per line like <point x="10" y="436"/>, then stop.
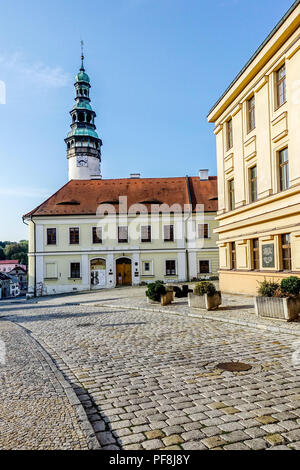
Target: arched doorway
<point x="123" y="272"/>
<point x="98" y="273"/>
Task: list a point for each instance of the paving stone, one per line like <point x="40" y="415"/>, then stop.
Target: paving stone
<point x="154" y="434"/>
<point x="172" y="440"/>
<point x="194" y="445"/>
<point x="235" y="436"/>
<point x="228" y="427"/>
<point x="153" y="444"/>
<point x="106" y="438"/>
<point x="236" y="446"/>
<point x="193" y="435"/>
<point x="173" y="430"/>
<point x="212" y="442"/>
<point x="256" y="444"/>
<point x="132" y="439"/>
<point x="266" y="419"/>
<point x="274" y="439"/>
<point x="255" y="432"/>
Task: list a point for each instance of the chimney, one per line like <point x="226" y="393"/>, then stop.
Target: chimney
<point x="203" y="175"/>
<point x="135" y="176"/>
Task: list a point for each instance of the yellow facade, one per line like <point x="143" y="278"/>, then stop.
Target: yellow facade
<point x="257" y="128"/>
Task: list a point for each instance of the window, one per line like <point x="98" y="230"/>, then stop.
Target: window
<point x="229" y="135"/>
<point x="123" y="234"/>
<point x="281" y="86"/>
<point x="170" y="268"/>
<point x="74" y="236"/>
<point x="231" y="195"/>
<point x="286" y="252"/>
<point x="284" y="176"/>
<point x="97" y="235"/>
<point x="251" y="113"/>
<point x="203" y="231"/>
<point x="168" y="233"/>
<point x="146" y="233"/>
<point x="147" y="267"/>
<point x="51" y="271"/>
<point x="233" y="255"/>
<point x="51" y="236"/>
<point x="253" y="183"/>
<point x="75" y="271"/>
<point x="255" y="253"/>
<point x="204" y="267"/>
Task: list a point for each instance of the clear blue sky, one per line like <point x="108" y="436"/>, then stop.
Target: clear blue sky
<point x="157" y="67"/>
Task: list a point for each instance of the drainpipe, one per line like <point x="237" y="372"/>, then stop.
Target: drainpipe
<point x="34" y="251"/>
<point x="185" y="228"/>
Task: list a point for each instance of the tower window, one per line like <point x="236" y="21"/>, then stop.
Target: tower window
<point x="74" y="117"/>
<point x="81" y="117"/>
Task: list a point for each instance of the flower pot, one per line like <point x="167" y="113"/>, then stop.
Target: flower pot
<point x="275" y="307"/>
<point x="165" y="299"/>
<point x="205" y="302"/>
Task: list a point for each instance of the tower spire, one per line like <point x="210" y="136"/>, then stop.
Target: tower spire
<point x="82" y="57"/>
<point x="83" y="142"/>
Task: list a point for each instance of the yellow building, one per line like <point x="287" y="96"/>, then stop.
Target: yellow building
<point x="257" y="128"/>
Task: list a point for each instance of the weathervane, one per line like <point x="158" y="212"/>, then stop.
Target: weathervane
<point x="82" y="54"/>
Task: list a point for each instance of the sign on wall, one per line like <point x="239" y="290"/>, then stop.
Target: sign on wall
<point x="268" y="256"/>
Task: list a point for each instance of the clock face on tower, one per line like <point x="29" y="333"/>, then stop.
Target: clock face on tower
<point x="82" y="161"/>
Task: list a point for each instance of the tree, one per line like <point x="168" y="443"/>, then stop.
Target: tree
<point x="16" y="251"/>
<point x="2" y="255"/>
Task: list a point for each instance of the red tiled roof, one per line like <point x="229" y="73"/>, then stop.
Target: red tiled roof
<point x="83" y="197"/>
<point x="13" y="261"/>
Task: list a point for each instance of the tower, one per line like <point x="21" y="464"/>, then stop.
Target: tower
<point x="83" y="142"/>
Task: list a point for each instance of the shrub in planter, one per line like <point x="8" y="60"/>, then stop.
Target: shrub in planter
<point x="156" y="290"/>
<point x="205" y="296"/>
<point x="268" y="288"/>
<point x="205" y="287"/>
<point x="291" y="285"/>
<point x="279" y="301"/>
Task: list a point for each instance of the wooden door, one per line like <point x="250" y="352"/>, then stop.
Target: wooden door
<point x="124" y="275"/>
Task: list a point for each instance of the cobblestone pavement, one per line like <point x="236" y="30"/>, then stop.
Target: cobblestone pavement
<point x="35" y="410"/>
<point x="151" y="381"/>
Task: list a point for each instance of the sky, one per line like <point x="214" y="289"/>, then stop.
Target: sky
<point x="156" y="69"/>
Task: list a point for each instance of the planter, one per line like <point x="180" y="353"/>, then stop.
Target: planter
<point x="164" y="299"/>
<point x="278" y="308"/>
<point x="205" y="302"/>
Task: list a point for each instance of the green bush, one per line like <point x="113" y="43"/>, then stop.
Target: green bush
<point x="268" y="288"/>
<point x="291" y="285"/>
<point x="205" y="287"/>
<point x="155" y="290"/>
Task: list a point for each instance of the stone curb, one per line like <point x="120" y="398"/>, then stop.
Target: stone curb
<point x="83" y="421"/>
<point x="239" y="322"/>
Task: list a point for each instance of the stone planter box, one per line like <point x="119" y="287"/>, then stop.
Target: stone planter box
<point x="278" y="308"/>
<point x="166" y="299"/>
<point x="205" y="302"/>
